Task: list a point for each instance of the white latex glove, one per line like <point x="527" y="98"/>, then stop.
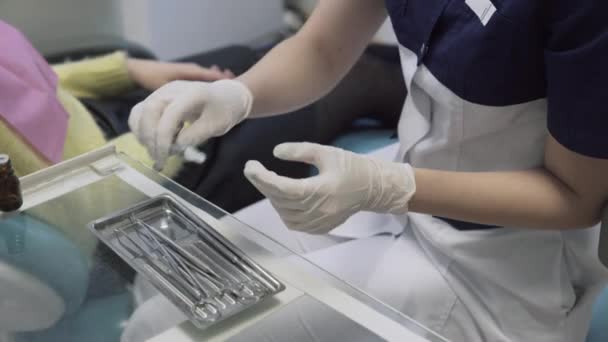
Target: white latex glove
<point x="211" y="109"/>
<point x="347" y="183"/>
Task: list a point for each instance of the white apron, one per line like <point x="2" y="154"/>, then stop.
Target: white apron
<point x="504" y="284"/>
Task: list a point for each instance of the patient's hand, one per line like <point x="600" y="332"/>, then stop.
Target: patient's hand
<point x="152" y="75"/>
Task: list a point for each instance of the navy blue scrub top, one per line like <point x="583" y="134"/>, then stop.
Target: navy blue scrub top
<point x="507" y="52"/>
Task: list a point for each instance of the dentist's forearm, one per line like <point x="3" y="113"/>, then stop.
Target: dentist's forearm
<point x="532" y="199"/>
<point x="291" y="76"/>
<point x="569" y="191"/>
<point x="307" y="66"/>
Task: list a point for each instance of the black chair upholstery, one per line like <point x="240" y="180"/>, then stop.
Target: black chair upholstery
<point x="80" y="47"/>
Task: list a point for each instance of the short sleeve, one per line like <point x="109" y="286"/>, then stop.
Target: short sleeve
<point x="576" y="62"/>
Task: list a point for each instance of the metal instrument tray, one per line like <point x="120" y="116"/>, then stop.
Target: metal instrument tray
<point x="186" y="259"/>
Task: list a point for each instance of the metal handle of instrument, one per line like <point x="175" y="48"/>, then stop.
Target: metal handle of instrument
<point x="207" y="235"/>
<point x="201" y="304"/>
<point x="235" y="292"/>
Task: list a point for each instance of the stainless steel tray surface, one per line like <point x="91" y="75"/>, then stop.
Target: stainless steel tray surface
<point x="186" y="259"/>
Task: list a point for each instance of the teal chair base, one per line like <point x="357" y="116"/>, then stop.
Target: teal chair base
<point x="598" y="331"/>
<point x="366" y="140"/>
<point x="98" y="320"/>
<point x="28" y="244"/>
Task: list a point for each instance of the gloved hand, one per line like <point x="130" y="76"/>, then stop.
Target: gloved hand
<point x="210" y="109"/>
<point x="347" y="183"/>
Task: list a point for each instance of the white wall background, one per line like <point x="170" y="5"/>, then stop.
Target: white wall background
<point x="178" y="28"/>
<point x="170" y="28"/>
<point x="46" y="21"/>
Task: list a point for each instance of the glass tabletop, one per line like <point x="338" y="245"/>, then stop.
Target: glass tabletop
<point x="58" y="282"/>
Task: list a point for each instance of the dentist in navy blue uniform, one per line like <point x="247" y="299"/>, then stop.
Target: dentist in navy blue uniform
<point x="487" y="218"/>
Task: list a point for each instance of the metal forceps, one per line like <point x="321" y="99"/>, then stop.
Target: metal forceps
<point x="234" y="293"/>
<point x="218" y="248"/>
<point x="202" y="304"/>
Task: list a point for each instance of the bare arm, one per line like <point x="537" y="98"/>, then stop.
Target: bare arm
<point x="568" y="192"/>
<point x="308" y="65"/>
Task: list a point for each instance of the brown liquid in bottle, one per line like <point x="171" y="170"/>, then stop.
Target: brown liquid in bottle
<point x="10" y="188"/>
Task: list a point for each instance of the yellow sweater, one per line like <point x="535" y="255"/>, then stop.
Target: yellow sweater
<point x="105" y="76"/>
<point x="100" y="77"/>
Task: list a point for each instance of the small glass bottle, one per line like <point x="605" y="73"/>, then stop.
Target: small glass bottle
<point x="10" y="188"/>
